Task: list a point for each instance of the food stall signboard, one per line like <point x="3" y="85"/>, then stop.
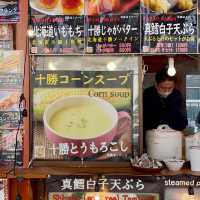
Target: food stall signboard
<point x="170" y="33"/>
<point x="113" y="34"/>
<point x="82" y="114"/>
<point x="57" y="35"/>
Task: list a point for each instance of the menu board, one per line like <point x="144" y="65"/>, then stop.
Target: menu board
<point x="57" y="35"/>
<point x="6" y="37"/>
<point x="171" y="33"/>
<point x="93" y="119"/>
<point x="122" y="187"/>
<point x="114" y="27"/>
<point x="104" y="187"/>
<point x="113" y="34"/>
<point x="11" y="83"/>
<point x="9" y="11"/>
<point x="65" y="27"/>
<point x="102" y="196"/>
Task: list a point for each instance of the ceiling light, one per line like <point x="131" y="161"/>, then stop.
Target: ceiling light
<point x="171" y="69"/>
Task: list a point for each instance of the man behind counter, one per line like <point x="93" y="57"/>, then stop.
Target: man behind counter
<point x="163" y="104"/>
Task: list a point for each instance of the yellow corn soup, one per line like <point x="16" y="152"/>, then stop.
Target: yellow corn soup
<point x="82" y="121"/>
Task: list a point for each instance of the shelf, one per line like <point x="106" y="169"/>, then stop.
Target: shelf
<point x="44" y="172"/>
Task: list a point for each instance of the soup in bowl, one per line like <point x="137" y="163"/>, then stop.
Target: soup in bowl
<point x="81" y="120"/>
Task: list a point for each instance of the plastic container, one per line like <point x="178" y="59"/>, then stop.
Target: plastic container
<point x="191" y="140"/>
<point x="194" y="153"/>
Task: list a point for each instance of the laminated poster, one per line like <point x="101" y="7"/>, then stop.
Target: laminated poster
<point x="9" y="11"/>
<point x="6" y="37"/>
<point x="57" y="35"/>
<point x="169" y="26"/>
<point x="103" y="187"/>
<point x="9" y="109"/>
<point x="122" y="187"/>
<point x="171" y="33"/>
<point x="93" y="115"/>
<point x="7" y="147"/>
<point x="81" y="27"/>
<point x="113" y="34"/>
<point x="11" y="84"/>
<point x="82" y="115"/>
<point x="11" y="62"/>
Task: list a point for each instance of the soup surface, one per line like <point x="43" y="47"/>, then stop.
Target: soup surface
<point x="82" y="121"/>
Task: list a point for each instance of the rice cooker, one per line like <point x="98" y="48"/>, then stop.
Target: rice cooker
<point x="164" y="143"/>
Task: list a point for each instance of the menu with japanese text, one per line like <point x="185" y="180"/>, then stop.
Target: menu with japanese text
<point x="57" y="35"/>
<point x="113" y="34"/>
<point x="114" y="27"/>
<point x="170" y="33"/>
<point x="122" y="187"/>
<point x="83" y="114"/>
<point x="11" y="84"/>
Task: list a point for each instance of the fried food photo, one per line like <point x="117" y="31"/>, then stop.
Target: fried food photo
<point x="185" y="4"/>
<point x="164" y="6"/>
<point x="161" y="6"/>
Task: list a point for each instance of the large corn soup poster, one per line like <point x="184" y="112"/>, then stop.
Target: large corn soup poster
<point x="85" y="114"/>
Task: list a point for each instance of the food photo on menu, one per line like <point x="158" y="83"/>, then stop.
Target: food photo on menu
<point x="99" y="7"/>
<point x="58" y="7"/>
<point x="92" y="7"/>
<point x="168" y="6"/>
<point x="175" y="26"/>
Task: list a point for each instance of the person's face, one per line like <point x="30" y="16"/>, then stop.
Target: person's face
<point x="165" y="88"/>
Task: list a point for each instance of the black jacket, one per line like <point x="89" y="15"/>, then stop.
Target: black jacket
<point x="158" y="110"/>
